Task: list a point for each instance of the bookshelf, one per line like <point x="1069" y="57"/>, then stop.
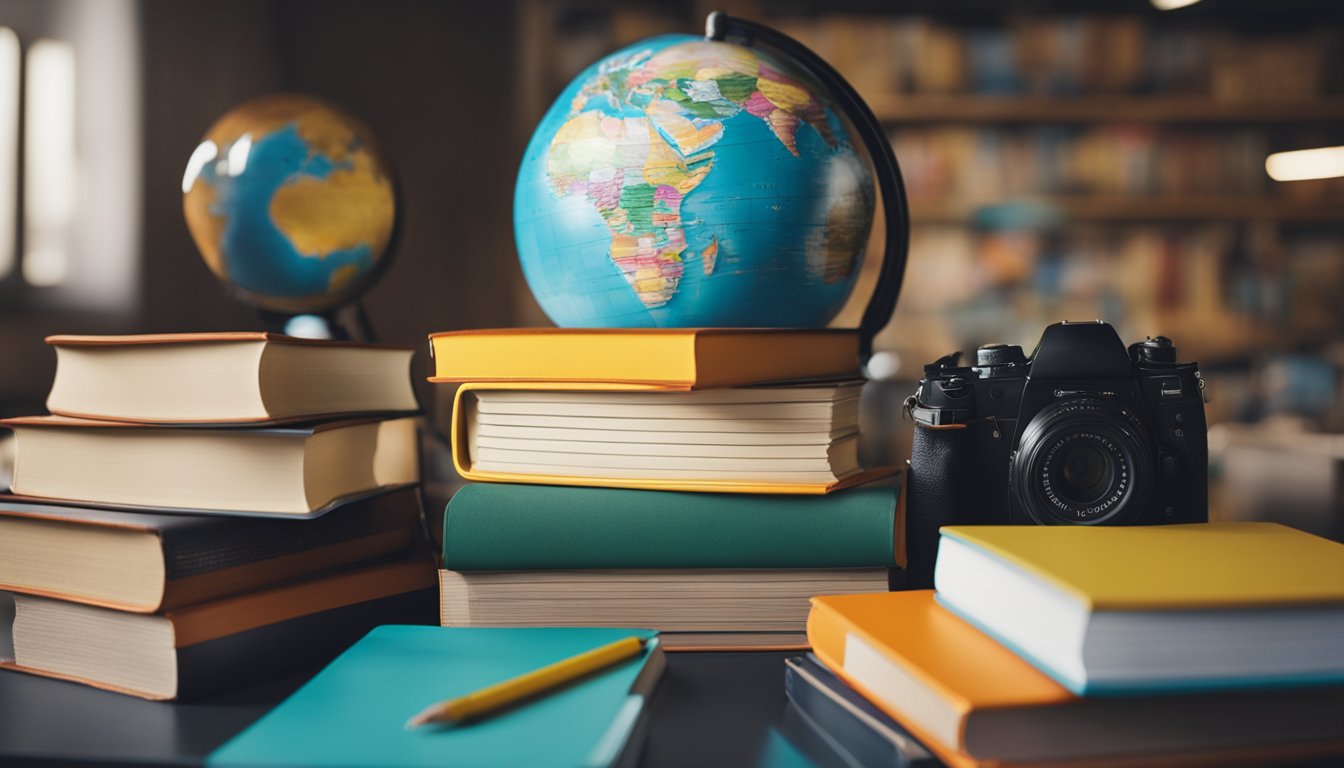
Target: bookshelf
<point x="1126" y="209"/>
<point x="1076" y="160"/>
<point x="898" y="110"/>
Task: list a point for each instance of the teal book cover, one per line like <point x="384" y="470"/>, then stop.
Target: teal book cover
<point x="503" y="526"/>
<point x="354" y="712"/>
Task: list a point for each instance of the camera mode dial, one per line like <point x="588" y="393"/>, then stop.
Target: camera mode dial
<point x="1154" y="351"/>
<point x="995" y="360"/>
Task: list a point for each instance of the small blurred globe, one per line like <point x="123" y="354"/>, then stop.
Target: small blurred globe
<point x="684" y="182"/>
<point x="291" y="204"/>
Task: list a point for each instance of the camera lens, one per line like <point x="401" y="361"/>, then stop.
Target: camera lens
<point x="1082" y="461"/>
<point x="1082" y="472"/>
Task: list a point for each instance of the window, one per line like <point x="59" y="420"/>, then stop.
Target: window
<point x="69" y="156"/>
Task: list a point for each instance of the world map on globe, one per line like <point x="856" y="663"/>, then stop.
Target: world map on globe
<point x="290" y="203"/>
<point x="685" y="182"/>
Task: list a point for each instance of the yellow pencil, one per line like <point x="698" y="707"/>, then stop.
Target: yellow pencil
<point x="502" y="694"/>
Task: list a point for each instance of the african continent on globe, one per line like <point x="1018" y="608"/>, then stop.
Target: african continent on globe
<point x="684" y="182"/>
<point x="291" y="203"/>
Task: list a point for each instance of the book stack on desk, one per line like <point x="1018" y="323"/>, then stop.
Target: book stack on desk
<point x="1212" y="644"/>
<point x="203" y="510"/>
<point x="699" y="482"/>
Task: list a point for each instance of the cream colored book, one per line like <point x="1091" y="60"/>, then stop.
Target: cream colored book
<point x="785" y="438"/>
<point x="278" y="470"/>
<point x="698" y="606"/>
<point x="225" y="377"/>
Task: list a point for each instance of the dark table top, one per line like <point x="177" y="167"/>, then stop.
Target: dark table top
<point x="710" y="709"/>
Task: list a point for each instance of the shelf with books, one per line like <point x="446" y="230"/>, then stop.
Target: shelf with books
<point x="1120" y="208"/>
<point x="903" y="109"/>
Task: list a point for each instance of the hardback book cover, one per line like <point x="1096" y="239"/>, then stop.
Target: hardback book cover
<point x="147" y="562"/>
<point x="704" y="483"/>
<point x="226" y="378"/>
<point x="232" y="641"/>
<point x="670" y="358"/>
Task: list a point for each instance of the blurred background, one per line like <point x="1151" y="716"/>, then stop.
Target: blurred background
<point x="1064" y="160"/>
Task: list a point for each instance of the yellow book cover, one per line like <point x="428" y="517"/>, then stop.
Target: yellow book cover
<point x="1171" y="567"/>
<point x="670" y="358"/>
<point x="463" y="405"/>
<point x="974" y="702"/>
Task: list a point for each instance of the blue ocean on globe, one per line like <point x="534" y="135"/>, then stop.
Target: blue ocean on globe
<point x="290" y="204"/>
<point x="260" y="257"/>
<point x="683" y="183"/>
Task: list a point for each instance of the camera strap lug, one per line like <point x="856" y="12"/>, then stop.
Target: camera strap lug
<point x="934" y="418"/>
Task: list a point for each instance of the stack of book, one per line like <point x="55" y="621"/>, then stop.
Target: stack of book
<point x="1158" y="645"/>
<point x="691" y="481"/>
<point x="205" y="509"/>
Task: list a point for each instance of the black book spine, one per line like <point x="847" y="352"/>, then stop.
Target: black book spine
<point x="841" y="717"/>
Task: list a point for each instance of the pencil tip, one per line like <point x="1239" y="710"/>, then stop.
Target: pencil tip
<point x="420" y="719"/>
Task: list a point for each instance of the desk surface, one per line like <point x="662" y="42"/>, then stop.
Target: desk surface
<point x="710" y="709"/>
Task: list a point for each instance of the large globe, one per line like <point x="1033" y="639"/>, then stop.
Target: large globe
<point x="291" y="203"/>
<point x="685" y="182"/>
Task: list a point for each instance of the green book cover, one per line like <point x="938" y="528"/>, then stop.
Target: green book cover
<point x="500" y="526"/>
<point x="354" y="712"/>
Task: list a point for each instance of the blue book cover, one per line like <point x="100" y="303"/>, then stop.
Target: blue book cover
<point x="354" y="712"/>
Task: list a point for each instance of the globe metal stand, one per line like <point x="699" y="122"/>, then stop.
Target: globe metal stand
<point x="348" y="322"/>
<point x="721" y="27"/>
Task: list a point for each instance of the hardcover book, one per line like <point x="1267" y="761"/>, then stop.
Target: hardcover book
<point x="143" y="562"/>
<point x="508" y="527"/>
<point x="671" y="358"/>
<point x="1153" y="608"/>
<point x="693" y="608"/>
<point x="295" y="471"/>
<point x="972" y="701"/>
<point x="225" y="377"/>
<point x="784" y="439"/>
<point x="205" y="648"/>
<point x="845" y="722"/>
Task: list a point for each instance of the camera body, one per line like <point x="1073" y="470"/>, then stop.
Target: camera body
<point x="1085" y="432"/>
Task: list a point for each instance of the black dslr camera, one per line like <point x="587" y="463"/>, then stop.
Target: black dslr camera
<point x="1079" y="434"/>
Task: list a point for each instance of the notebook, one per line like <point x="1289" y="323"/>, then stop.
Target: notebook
<point x="354" y="712"/>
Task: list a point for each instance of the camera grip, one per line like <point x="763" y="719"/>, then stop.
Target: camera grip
<point x="936" y="464"/>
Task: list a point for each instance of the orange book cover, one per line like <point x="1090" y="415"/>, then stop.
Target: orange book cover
<point x="657" y="358"/>
<point x="950" y="672"/>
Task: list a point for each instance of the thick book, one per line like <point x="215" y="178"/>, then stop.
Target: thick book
<point x="693" y="608"/>
<point x="205" y="648"/>
<point x="845" y="722"/>
<point x="296" y="470"/>
<point x="502" y="526"/>
<point x="672" y="358"/>
<point x="225" y="377"/>
<point x="141" y="562"/>
<point x="1130" y="609"/>
<point x="778" y="439"/>
<point x="971" y="700"/>
<point x="354" y="711"/>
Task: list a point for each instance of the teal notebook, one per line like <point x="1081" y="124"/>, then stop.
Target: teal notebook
<point x="354" y="712"/>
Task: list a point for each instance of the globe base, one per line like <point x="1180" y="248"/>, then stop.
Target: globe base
<point x="349" y="322"/>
